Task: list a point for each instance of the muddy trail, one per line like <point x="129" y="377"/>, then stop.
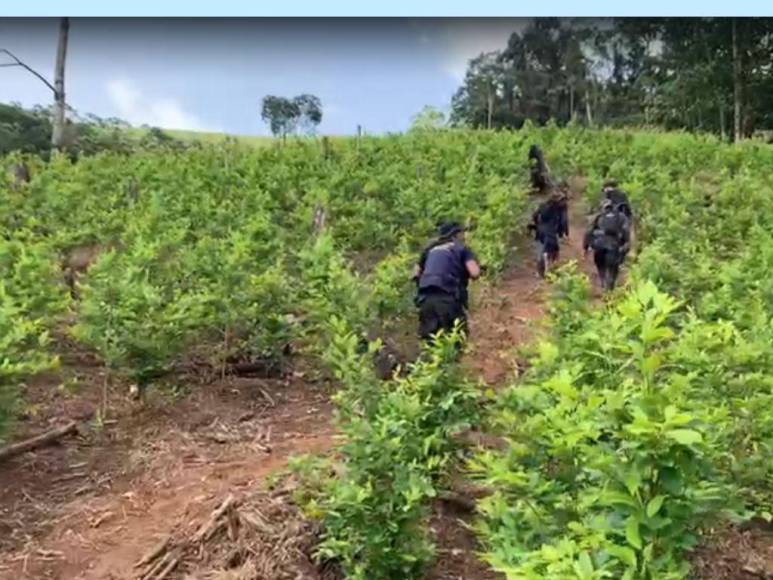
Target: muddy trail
<point x="92" y="506"/>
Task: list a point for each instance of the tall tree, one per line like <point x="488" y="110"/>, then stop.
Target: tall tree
<point x="281" y="114"/>
<point x="285" y="116"/>
<point x="309" y="112"/>
<point x="705" y="67"/>
<point x="476" y="102"/>
<point x="428" y="119"/>
<point x="542" y="74"/>
<point x="707" y="74"/>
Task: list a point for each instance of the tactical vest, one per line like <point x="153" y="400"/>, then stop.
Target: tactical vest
<point x="444" y="269"/>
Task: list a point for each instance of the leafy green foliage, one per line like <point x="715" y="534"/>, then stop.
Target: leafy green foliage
<point x="285" y="116"/>
<point x="24" y="131"/>
<point x="428" y="119"/>
<point x="612" y="450"/>
<point x="135" y="321"/>
<point x="213" y="250"/>
<point x="29" y="131"/>
<point x="30" y="302"/>
<point x="640" y="423"/>
<point x="636" y="425"/>
<point x="398" y="441"/>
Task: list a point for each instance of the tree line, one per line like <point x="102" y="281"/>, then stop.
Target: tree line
<point x="28" y="130"/>
<point x="32" y="130"/>
<point x="698" y="74"/>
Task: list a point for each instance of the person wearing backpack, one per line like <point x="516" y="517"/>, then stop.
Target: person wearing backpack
<point x="442" y="274"/>
<point x="609" y="238"/>
<point x="538" y="170"/>
<point x="549" y="222"/>
<point x="620" y="200"/>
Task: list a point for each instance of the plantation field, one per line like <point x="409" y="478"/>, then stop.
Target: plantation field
<point x="609" y="440"/>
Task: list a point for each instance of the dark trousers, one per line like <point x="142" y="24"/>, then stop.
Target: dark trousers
<point x="548" y="248"/>
<point x="608" y="265"/>
<point x="439" y="310"/>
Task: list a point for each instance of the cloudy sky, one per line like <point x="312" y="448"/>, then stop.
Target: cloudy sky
<point x="210" y="74"/>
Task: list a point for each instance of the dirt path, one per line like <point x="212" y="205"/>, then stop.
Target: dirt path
<point x="90" y="508"/>
<point x="506" y="317"/>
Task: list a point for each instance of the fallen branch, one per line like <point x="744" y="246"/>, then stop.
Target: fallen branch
<point x="257" y="522"/>
<point x="260" y="532"/>
<point x="168" y="570"/>
<point x="83" y="489"/>
<point x="209" y="528"/>
<point x="267" y="397"/>
<point x="159" y="549"/>
<point x="263" y="448"/>
<point x="244" y="417"/>
<point x="101" y="519"/>
<point x="158" y="567"/>
<point x="757" y="572"/>
<point x="49" y="554"/>
<point x="38" y="441"/>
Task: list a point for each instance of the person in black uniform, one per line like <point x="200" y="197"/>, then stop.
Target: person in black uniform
<point x="549" y="222"/>
<point x="618" y="198"/>
<point x="538" y="172"/>
<point x="620" y="202"/>
<point x="442" y="274"/>
<point x="609" y="238"/>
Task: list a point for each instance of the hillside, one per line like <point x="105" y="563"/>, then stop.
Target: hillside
<point x="237" y="287"/>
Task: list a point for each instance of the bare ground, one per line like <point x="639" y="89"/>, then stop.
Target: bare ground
<point x="91" y="506"/>
<point x="736" y="553"/>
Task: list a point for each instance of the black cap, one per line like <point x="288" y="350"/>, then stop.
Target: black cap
<point x="448" y="229"/>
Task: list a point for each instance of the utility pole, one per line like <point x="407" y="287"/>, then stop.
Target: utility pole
<point x="736" y="84"/>
<point x="57" y="133"/>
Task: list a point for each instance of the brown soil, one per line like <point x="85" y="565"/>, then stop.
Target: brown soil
<point x="457" y="546"/>
<point x="92" y="505"/>
<point x="736" y="554"/>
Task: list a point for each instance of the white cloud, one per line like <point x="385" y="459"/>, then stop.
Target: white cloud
<point x="464" y="39"/>
<point x="138" y="109"/>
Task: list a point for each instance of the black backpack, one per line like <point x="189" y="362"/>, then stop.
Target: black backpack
<point x="610" y="223"/>
<point x="609" y="229"/>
